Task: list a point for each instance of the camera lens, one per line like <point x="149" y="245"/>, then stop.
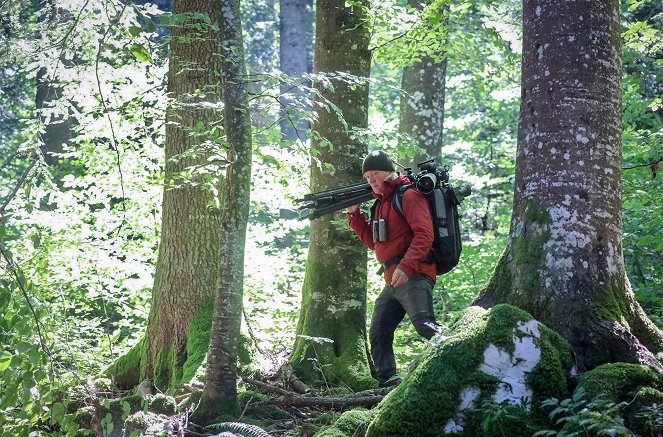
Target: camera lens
<point x="426" y="183"/>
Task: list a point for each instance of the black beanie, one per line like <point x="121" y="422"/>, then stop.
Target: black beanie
<point x="377" y="160"/>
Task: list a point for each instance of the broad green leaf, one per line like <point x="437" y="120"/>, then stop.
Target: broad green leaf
<point x="140" y="53"/>
<point x="23" y="347"/>
<point x="116" y="335"/>
<point x="135" y="31"/>
<point x="5" y="360"/>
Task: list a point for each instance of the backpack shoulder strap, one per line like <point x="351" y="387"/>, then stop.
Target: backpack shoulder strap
<point x="373" y="208"/>
<point x="397" y="198"/>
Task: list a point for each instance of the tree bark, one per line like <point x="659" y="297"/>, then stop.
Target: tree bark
<point x="331" y="343"/>
<point x="56" y="124"/>
<point x="422" y="103"/>
<point x="296" y="40"/>
<point x="187" y="268"/>
<point x="564" y="261"/>
<point x="220" y="395"/>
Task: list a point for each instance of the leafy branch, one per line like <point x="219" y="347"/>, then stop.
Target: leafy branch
<point x="116" y="149"/>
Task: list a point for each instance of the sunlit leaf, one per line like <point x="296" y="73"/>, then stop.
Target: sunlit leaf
<point x="141" y="53"/>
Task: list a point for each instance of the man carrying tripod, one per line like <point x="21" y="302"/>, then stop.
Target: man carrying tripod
<point x="401" y="243"/>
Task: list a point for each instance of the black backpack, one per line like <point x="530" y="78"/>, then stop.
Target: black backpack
<point x="443" y="202"/>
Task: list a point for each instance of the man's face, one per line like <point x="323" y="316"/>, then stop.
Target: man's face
<point x="375" y="179"/>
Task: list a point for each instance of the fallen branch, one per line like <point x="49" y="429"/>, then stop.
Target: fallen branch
<point x="289" y="399"/>
<point x="328" y="402"/>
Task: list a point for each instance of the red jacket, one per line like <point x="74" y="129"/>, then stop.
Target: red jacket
<point x="410" y="237"/>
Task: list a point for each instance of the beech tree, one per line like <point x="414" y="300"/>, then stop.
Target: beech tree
<point x="56" y="124"/>
<point x="564" y="261"/>
<point x="220" y="394"/>
<point x="331" y="342"/>
<point x="422" y="102"/>
<point x="187" y="267"/>
<point x="295" y="41"/>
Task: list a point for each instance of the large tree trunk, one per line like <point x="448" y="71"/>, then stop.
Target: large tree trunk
<point x="564" y="261"/>
<point x="334" y="292"/>
<point x="187" y="268"/>
<point x="422" y="103"/>
<point x="220" y="395"/>
<point x="296" y="39"/>
<point x="56" y="124"/>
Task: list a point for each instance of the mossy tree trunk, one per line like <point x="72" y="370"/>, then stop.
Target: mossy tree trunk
<point x="187" y="268"/>
<point x="564" y="261"/>
<point x="334" y="292"/>
<point x="422" y="101"/>
<point x="220" y="394"/>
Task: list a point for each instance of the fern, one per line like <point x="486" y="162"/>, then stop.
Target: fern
<point x="238" y="429"/>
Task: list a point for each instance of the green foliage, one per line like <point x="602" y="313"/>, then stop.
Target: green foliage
<point x="505" y="419"/>
<point x="351" y="423"/>
<point x="577" y="416"/>
<point x="650" y="418"/>
<point x="643" y="150"/>
<point x="81" y="236"/>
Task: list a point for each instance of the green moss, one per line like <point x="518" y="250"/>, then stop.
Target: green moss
<point x="162" y="404"/>
<point x="549" y="378"/>
<point x="126" y="370"/>
<point x="271" y="412"/>
<point x="136" y="423"/>
<point x="310" y="428"/>
<point x="527" y="257"/>
<point x="120" y="409"/>
<point x="351" y="423"/>
<point x="429" y="396"/>
<point x="503" y="419"/>
<point x="345" y="359"/>
<point x="83" y="416"/>
<point x="611" y="303"/>
<point x="164" y="364"/>
<point x="617" y="382"/>
<point x="197" y="341"/>
<point x="644" y="415"/>
<point x="500" y="284"/>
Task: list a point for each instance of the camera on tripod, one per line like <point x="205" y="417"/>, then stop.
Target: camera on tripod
<point x="429" y="177"/>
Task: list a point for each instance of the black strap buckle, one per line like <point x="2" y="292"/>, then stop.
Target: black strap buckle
<point x="395" y="260"/>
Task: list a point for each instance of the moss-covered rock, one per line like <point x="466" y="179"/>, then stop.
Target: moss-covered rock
<point x="314" y="426"/>
<point x="137" y="423"/>
<point x="639" y="388"/>
<point x="83" y="416"/>
<point x="617" y="382"/>
<point x="146" y="423"/>
<point x="645" y="415"/>
<point x="351" y="423"/>
<point x="111" y="414"/>
<point x="162" y="404"/>
<point x="499" y="356"/>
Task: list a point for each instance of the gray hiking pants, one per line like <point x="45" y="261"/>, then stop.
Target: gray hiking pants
<point x="414" y="298"/>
